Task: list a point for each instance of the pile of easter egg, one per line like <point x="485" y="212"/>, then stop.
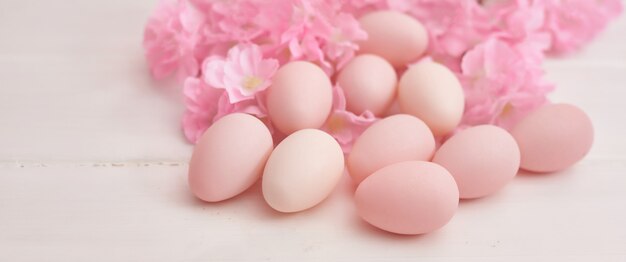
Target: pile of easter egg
<point x="406" y="182"/>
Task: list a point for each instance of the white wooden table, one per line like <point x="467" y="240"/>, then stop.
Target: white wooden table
<point x="93" y="164"/>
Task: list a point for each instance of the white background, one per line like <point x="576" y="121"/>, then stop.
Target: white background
<point x="93" y="164"/>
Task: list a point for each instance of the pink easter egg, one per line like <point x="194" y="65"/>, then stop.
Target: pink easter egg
<point x="229" y="157"/>
<point x="391" y="140"/>
<point x="482" y="160"/>
<point x="300" y="97"/>
<point x="431" y="92"/>
<point x="553" y="137"/>
<point x="394" y="36"/>
<point x="369" y="83"/>
<point x="302" y="171"/>
<point x="412" y="197"/>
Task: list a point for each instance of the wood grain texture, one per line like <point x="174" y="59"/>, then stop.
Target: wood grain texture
<point x="93" y="164"/>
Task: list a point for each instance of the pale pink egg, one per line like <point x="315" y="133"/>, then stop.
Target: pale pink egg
<point x="553" y="137"/>
<point x="302" y="171"/>
<point x="413" y="197"/>
<point x="482" y="160"/>
<point x="391" y="140"/>
<point x="300" y="97"/>
<point x="394" y="36"/>
<point x="431" y="92"/>
<point x="369" y="83"/>
<point x="229" y="157"/>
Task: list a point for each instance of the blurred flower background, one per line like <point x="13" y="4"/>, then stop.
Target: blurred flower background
<point x="225" y="52"/>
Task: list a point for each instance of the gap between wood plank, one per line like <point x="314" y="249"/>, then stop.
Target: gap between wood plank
<point x="96" y="164"/>
<point x="591" y="160"/>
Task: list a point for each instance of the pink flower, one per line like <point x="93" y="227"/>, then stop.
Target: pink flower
<point x="172" y="40"/>
<point x="201" y="103"/>
<point x="520" y="23"/>
<point x="495" y="46"/>
<point x="500" y="85"/>
<point x="312" y="30"/>
<point x="238" y="19"/>
<point x="305" y="30"/>
<point x="340" y="43"/>
<point x="361" y="7"/>
<point x="453" y="26"/>
<point x="344" y="125"/>
<point x="242" y="74"/>
<point x="518" y="19"/>
<point x="317" y="31"/>
<point x="308" y="48"/>
<point x="205" y="105"/>
<point x="574" y="23"/>
<point x="255" y="107"/>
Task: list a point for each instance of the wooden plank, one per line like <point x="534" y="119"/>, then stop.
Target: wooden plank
<point x="144" y="212"/>
<point x="92" y="164"/>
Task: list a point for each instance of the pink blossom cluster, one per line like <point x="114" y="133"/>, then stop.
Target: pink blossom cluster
<point x="181" y="34"/>
<point x="227" y="51"/>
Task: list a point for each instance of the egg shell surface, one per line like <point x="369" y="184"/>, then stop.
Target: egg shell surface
<point x="391" y="140"/>
<point x="482" y="159"/>
<point x="302" y="171"/>
<point x="300" y="97"/>
<point x="431" y="92"/>
<point x="369" y="83"/>
<point x="229" y="157"/>
<point x="394" y="36"/>
<point x="412" y="197"/>
<point x="553" y="137"/>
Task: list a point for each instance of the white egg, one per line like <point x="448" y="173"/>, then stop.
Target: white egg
<point x="302" y="171"/>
